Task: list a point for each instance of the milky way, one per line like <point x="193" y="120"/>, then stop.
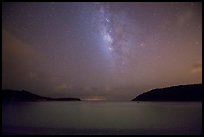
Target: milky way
<point x="100" y="50"/>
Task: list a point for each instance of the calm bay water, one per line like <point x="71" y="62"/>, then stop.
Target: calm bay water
<point x="102" y="118"/>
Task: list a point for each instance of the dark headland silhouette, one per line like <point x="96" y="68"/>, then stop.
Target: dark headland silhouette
<point x="9" y="95"/>
<point x="191" y="92"/>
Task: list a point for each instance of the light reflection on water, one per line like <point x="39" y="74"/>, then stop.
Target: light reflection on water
<point x="172" y="116"/>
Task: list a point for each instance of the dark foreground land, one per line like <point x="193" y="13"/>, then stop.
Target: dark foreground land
<point x="176" y="93"/>
<point x="15" y="95"/>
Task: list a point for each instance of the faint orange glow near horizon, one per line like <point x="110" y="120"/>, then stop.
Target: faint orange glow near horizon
<point x="94" y="98"/>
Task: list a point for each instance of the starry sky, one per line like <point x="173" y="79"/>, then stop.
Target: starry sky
<point x="100" y="51"/>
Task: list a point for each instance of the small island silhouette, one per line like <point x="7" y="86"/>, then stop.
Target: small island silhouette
<point x="192" y="92"/>
<point x="9" y="95"/>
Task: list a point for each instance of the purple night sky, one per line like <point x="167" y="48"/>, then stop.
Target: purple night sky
<point x="111" y="51"/>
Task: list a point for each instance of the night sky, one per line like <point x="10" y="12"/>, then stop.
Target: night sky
<point x="96" y="51"/>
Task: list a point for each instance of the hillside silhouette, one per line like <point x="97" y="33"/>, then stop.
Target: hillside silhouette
<point x="191" y="92"/>
<point x="9" y="95"/>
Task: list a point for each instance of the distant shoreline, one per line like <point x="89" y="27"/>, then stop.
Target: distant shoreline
<point x="181" y="93"/>
<point x="9" y="95"/>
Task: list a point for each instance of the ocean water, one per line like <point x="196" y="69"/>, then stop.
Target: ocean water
<point x="86" y="117"/>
